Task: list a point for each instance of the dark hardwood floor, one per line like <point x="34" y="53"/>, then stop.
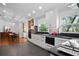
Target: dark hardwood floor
<point x="22" y="49"/>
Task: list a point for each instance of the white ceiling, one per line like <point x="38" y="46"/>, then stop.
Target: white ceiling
<point x="23" y="9"/>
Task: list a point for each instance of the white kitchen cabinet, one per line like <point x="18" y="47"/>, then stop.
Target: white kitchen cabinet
<point x="39" y="40"/>
<point x="38" y="37"/>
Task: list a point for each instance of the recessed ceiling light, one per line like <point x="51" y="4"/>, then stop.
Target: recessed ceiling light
<point x="33" y="11"/>
<point x="4" y="11"/>
<point x="73" y="6"/>
<point x="40" y="7"/>
<point x="4" y="3"/>
<point x="51" y="11"/>
<point x="20" y="20"/>
<point x="70" y="5"/>
<point x="13" y="24"/>
<point x="29" y="14"/>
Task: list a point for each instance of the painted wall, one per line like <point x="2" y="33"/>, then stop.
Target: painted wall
<point x="14" y="28"/>
<point x="2" y="23"/>
<point x="50" y="19"/>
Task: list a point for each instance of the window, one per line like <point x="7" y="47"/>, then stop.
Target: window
<point x="43" y="28"/>
<point x="70" y="24"/>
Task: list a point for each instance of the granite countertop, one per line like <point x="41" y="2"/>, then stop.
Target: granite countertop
<point x="51" y="36"/>
<point x="65" y="37"/>
<point x="60" y="35"/>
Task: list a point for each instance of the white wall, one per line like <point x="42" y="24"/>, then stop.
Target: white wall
<point x="9" y="24"/>
<point x="1" y="25"/>
<point x="50" y="19"/>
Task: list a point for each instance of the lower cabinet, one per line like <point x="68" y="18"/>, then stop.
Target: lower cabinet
<point x="38" y="37"/>
<point x="50" y="40"/>
<point x="46" y="42"/>
<point x="40" y="40"/>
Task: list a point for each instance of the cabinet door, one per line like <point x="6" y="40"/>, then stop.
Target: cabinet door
<point x="42" y="38"/>
<point x="50" y="40"/>
<point x="38" y="37"/>
<point x="33" y="36"/>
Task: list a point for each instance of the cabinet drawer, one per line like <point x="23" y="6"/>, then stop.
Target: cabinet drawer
<point x="37" y="37"/>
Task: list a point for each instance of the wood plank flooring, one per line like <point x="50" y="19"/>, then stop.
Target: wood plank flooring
<point x="5" y="42"/>
<point x="21" y="48"/>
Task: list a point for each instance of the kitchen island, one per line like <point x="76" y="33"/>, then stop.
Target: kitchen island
<point x="40" y="40"/>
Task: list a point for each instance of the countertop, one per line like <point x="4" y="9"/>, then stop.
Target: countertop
<point x="59" y="36"/>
